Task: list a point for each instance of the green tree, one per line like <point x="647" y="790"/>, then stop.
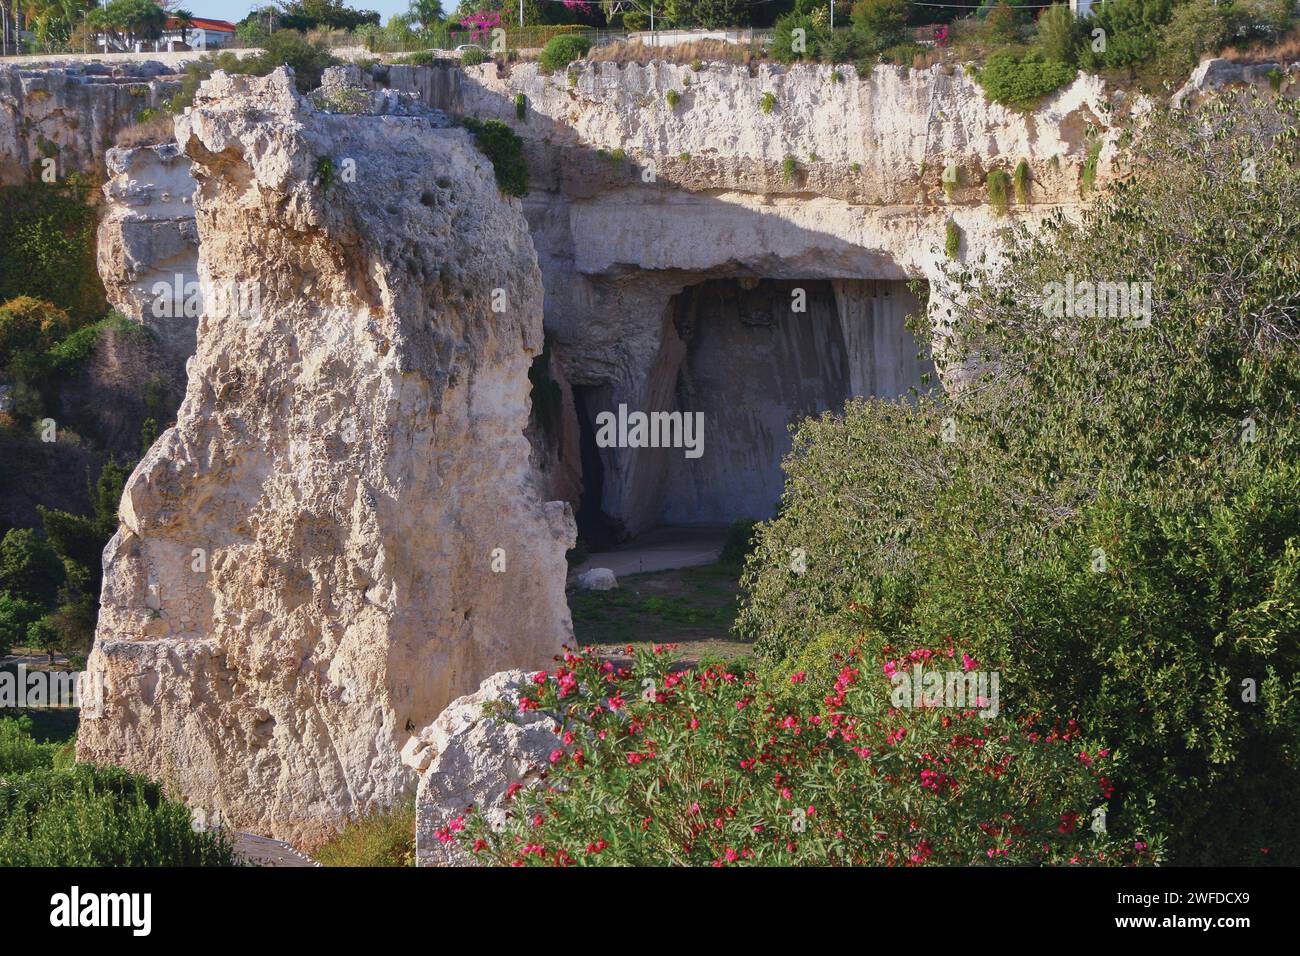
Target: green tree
<point x="1059" y="35"/>
<point x="16" y="615"/>
<point x="30" y="570"/>
<point x="880" y="24"/>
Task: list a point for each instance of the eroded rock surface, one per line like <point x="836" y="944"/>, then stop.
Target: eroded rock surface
<point x="341" y="534"/>
<point x="148" y="247"/>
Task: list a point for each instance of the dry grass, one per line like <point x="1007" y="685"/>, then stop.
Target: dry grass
<point x="150" y="132"/>
<point x="1286" y="51"/>
<point x="680" y="53"/>
<point x="385" y="838"/>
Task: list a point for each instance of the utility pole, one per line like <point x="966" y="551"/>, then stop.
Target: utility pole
<point x="521" y="12"/>
<point x="832" y="14"/>
<point x="652" y="23"/>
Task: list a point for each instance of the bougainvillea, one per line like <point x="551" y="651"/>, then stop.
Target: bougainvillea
<point x="660" y="765"/>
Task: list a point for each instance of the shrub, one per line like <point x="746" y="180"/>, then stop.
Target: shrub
<point x="30" y="325"/>
<point x="1132" y="32"/>
<point x="999" y="186"/>
<point x="1020" y="81"/>
<point x="1059" y="35"/>
<point x="767" y="103"/>
<point x="795" y="37"/>
<point x="653" y="766"/>
<point x="880" y="24"/>
<point x="1088" y="178"/>
<point x="560" y="51"/>
<point x="16" y="616"/>
<point x="521" y="106"/>
<point x="473" y="57"/>
<point x="47" y="247"/>
<point x="90" y="816"/>
<point x="789" y="167"/>
<point x="673" y="98"/>
<point x="952" y="239"/>
<point x="289" y="48"/>
<point x="504" y="147"/>
<point x="1021" y="181"/>
<point x="384" y="838"/>
<point x="1102" y="528"/>
<point x="740" y="540"/>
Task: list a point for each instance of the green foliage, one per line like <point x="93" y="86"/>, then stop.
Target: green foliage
<point x="81" y="815"/>
<point x="673" y="98"/>
<point x="29" y="568"/>
<point x="1090" y="515"/>
<point x="789" y="168"/>
<point x="324" y="172"/>
<point x="767" y="103"/>
<point x="521" y="106"/>
<point x="16" y="616"/>
<point x="1020" y="180"/>
<point x="795" y="37"/>
<point x="1088" y="177"/>
<point x="658" y="767"/>
<point x="1132" y="32"/>
<point x="1021" y="80"/>
<point x="506" y="151"/>
<point x="47" y="247"/>
<point x="384" y="838"/>
<point x="29" y="325"/>
<point x="880" y="24"/>
<point x="560" y="51"/>
<point x="290" y="48"/>
<point x="473" y="57"/>
<point x="999" y="186"/>
<point x="1059" y="35"/>
<point x="740" y="541"/>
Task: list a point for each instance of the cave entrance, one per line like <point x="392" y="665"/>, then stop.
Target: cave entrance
<point x="596" y="529"/>
<point x="754" y="356"/>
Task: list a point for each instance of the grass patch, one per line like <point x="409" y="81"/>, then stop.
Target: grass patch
<point x="384" y="838"/>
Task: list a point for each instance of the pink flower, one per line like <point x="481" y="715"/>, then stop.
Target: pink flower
<point x="798" y="678"/>
<point x="557" y="755"/>
<point x="968" y="663"/>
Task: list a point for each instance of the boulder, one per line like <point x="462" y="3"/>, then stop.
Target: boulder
<point x="475" y="750"/>
<point x="597" y="579"/>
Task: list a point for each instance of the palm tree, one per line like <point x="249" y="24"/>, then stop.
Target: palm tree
<point x="184" y="20"/>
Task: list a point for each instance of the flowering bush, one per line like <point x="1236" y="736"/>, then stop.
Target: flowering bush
<point x="657" y="765"/>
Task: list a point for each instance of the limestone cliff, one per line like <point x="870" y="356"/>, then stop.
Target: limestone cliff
<point x="70" y="115"/>
<point x="341" y="534"/>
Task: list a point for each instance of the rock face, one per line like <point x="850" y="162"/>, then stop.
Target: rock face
<point x="148" y="247"/>
<point x="71" y="115"/>
<point x="341" y="534"/>
<point x="471" y="758"/>
<point x="714" y="209"/>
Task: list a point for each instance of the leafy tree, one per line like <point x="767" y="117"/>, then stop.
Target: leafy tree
<point x="1059" y="35"/>
<point x="29" y="325"/>
<point x="283" y="48"/>
<point x="880" y="23"/>
<point x="16" y="615"/>
<point x="427" y="13"/>
<point x="796" y="37"/>
<point x="29" y="568"/>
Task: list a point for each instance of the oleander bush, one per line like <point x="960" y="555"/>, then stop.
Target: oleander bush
<point x="656" y="766"/>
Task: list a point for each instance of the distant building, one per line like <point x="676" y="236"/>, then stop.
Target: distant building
<point x="1081" y="8"/>
<point x="200" y="34"/>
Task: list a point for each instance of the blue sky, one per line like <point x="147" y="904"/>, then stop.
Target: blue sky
<point x="236" y="10"/>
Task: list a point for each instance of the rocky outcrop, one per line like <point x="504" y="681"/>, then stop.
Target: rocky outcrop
<point x="1215" y="73"/>
<point x="471" y="756"/>
<point x="341" y="534"/>
<point x="148" y="247"/>
<point x="69" y="116"/>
